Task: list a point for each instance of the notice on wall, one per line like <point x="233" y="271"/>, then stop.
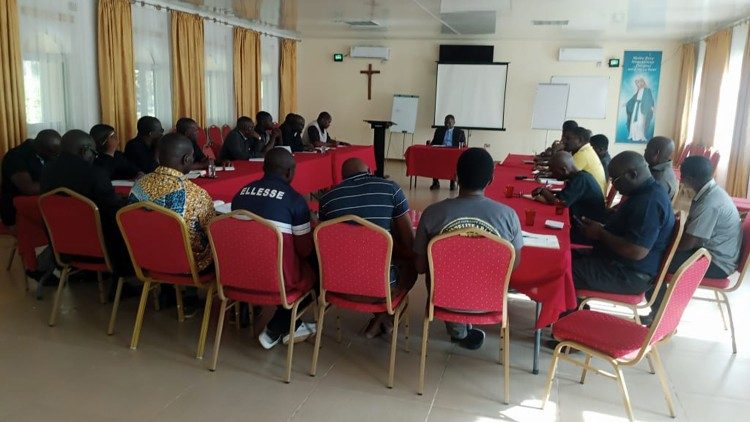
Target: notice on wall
<point x="639" y="91"/>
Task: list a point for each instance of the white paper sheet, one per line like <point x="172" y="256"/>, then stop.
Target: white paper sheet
<point x="534" y="240"/>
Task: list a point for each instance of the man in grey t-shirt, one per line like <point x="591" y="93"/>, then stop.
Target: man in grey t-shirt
<point x="471" y="209"/>
<point x="658" y="155"/>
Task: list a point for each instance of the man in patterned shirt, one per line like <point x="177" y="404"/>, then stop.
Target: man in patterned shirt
<point x="169" y="187"/>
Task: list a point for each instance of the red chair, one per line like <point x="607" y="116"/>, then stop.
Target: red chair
<point x="208" y="152"/>
<point x="470" y="287"/>
<point x="214" y="134"/>
<point x="611" y="194"/>
<point x="722" y="286"/>
<point x="348" y="268"/>
<point x="9" y="242"/>
<point x="638" y="301"/>
<point x="31" y="235"/>
<point x="225" y="131"/>
<point x="621" y="342"/>
<point x="159" y="246"/>
<point x="203" y="140"/>
<point x="248" y="258"/>
<point x="714" y="158"/>
<point x="75" y="233"/>
<point x="690" y="150"/>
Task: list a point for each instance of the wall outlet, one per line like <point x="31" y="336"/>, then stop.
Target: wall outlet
<point x="486" y="145"/>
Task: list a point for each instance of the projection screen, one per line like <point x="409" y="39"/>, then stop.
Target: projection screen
<point x="473" y="93"/>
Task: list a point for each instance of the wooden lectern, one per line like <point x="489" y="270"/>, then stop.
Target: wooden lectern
<point x="379" y="127"/>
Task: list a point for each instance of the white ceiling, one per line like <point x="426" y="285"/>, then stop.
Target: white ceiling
<point x="489" y="19"/>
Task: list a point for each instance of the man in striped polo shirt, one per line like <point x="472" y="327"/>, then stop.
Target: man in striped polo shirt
<point x="380" y="202"/>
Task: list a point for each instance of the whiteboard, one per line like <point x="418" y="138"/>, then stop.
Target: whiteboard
<point x="550" y="105"/>
<point x="588" y="96"/>
<point x="473" y="93"/>
<point x="404" y="113"/>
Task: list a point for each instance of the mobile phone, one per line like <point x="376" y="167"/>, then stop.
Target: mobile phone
<point x="577" y="220"/>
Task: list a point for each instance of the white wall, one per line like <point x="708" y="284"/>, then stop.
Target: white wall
<point x="340" y="89"/>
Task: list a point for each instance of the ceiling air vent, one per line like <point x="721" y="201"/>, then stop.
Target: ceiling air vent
<point x="550" y="22"/>
<point x="364" y="24"/>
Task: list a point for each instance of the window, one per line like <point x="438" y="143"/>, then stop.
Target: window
<point x="269" y="84"/>
<point x="153" y="67"/>
<point x="220" y="103"/>
<point x="59" y="64"/>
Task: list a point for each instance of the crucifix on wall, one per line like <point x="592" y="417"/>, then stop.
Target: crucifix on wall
<point x="369" y="72"/>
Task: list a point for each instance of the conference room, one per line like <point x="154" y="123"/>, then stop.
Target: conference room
<point x="433" y="210"/>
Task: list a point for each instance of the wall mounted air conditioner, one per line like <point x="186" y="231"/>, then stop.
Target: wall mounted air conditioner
<point x="581" y="55"/>
<point x="366" y="52"/>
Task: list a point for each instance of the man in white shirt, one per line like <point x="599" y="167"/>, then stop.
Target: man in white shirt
<point x="317" y="135"/>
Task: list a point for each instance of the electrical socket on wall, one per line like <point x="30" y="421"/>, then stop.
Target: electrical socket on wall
<point x="486" y="145"/>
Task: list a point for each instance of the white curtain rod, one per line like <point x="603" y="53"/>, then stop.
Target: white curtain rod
<point x="731" y="25"/>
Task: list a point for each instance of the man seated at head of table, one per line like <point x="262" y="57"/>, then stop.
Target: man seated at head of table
<point x="576" y="142"/>
<point x="168" y="186"/>
<point x="629" y="248"/>
<point x="600" y="143"/>
<point x="241" y="142"/>
<point x="291" y="133"/>
<point x="273" y="198"/>
<point x="22" y="168"/>
<point x="188" y="128"/>
<point x="381" y="202"/>
<point x="108" y="158"/>
<point x="270" y="136"/>
<point x="581" y="194"/>
<point x="316" y="135"/>
<point x="470" y="209"/>
<point x="141" y="150"/>
<point x="449" y="136"/>
<point x="658" y="154"/>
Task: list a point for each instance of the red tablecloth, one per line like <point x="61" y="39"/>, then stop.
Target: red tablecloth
<point x="341" y="154"/>
<point x="314" y="172"/>
<point x="433" y="162"/>
<point x="517" y="160"/>
<point x="544" y="275"/>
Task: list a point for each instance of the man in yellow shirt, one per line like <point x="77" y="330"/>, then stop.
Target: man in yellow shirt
<point x="576" y="142"/>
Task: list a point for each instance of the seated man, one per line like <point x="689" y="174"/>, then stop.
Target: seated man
<point x="581" y="193"/>
<point x="274" y="199"/>
<point x="576" y="142"/>
<point x="141" y="150"/>
<point x="317" y="134"/>
<point x="558" y="144"/>
<point x="108" y="158"/>
<point x="600" y="143"/>
<point x="291" y="132"/>
<point x="22" y="168"/>
<point x="269" y="135"/>
<point x="188" y="128"/>
<point x="658" y="154"/>
<point x="448" y="136"/>
<point x="240" y="142"/>
<point x="628" y="250"/>
<point x="169" y="187"/>
<point x="470" y="209"/>
<point x="74" y="170"/>
<point x="380" y="202"/>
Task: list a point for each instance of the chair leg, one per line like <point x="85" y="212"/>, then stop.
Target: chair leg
<point x="662" y="379"/>
<point x="407" y="329"/>
<point x="731" y="322"/>
<point x="636" y="317"/>
<point x="251" y="319"/>
<point x="115" y="306"/>
<point x="236" y="308"/>
<point x="155" y="297"/>
<point x="290" y="344"/>
<point x="11" y="259"/>
<point x="206" y="319"/>
<point x="58" y="295"/>
<point x="219" y="328"/>
<point x="650" y="364"/>
<point x="585" y="369"/>
<point x="721" y="310"/>
<point x="180" y="309"/>
<point x="551" y="375"/>
<point x="338" y="328"/>
<point x="392" y="355"/>
<point x="624" y="388"/>
<point x="102" y="290"/>
<point x="318" y="337"/>
<point x="139" y="315"/>
<point x="506" y="363"/>
<point x="423" y="354"/>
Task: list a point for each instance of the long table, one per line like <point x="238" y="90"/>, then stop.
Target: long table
<point x="432" y="161"/>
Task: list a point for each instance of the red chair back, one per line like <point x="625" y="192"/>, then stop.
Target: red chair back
<point x="745" y="250"/>
<point x="208" y="151"/>
<point x="214" y="134"/>
<point x="470" y="271"/>
<point x="157" y="240"/>
<point x="30" y="229"/>
<point x="714" y="158"/>
<point x="202" y="139"/>
<point x="247" y="254"/>
<point x="684" y="283"/>
<point x="225" y="131"/>
<point x="354" y="257"/>
<point x="73" y="225"/>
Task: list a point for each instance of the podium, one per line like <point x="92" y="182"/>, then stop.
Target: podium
<point x="378" y="128"/>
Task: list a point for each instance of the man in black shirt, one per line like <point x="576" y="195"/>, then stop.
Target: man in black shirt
<point x="141" y="150"/>
<point x="189" y="128"/>
<point x="22" y="168"/>
<point x="240" y="143"/>
<point x="291" y="132"/>
<point x="112" y="161"/>
<point x="270" y="136"/>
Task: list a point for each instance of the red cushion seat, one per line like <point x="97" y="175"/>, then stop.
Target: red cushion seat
<point x="483" y="318"/>
<point x="718" y="283"/>
<point x="614" y="336"/>
<point x="369" y="307"/>
<point x="629" y="299"/>
<point x="181" y="279"/>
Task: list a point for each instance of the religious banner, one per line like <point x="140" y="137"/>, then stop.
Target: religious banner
<point x="639" y="91"/>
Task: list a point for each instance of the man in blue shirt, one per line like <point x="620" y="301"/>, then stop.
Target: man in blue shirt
<point x="629" y="248"/>
<point x="448" y="136"/>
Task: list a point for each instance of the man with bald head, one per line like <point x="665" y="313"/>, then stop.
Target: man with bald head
<point x="168" y="186"/>
<point x="381" y="202"/>
<point x="629" y="248"/>
<point x="273" y="198"/>
<point x="658" y="154"/>
<point x="22" y="168"/>
<point x="581" y="194"/>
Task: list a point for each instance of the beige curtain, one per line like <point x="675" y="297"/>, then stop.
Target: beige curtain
<point x="247" y="9"/>
<point x="289" y="14"/>
<point x="715" y="66"/>
<point x="12" y="101"/>
<point x="288" y="78"/>
<point x="684" y="96"/>
<point x="188" y="75"/>
<point x="739" y="158"/>
<point x="246" y="72"/>
<point x="115" y="65"/>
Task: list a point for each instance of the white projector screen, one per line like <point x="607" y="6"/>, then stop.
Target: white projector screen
<point x="473" y="93"/>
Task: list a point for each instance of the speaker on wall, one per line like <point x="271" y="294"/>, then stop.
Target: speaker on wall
<point x="466" y="53"/>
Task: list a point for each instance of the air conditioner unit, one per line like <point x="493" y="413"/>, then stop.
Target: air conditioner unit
<point x="581" y="55"/>
<point x="382" y="53"/>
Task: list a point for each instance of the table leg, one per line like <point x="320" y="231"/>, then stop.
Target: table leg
<point x="537" y="340"/>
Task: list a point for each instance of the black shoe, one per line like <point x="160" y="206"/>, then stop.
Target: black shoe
<point x="191" y="305"/>
<point x="435" y="185"/>
<point x="38" y="276"/>
<point x="453" y="185"/>
<point x="472" y="341"/>
<point x="647" y="320"/>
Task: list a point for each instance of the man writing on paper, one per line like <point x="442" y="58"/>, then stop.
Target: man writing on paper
<point x="449" y="136"/>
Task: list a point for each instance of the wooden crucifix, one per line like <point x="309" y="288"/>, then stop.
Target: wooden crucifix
<point x="369" y="72"/>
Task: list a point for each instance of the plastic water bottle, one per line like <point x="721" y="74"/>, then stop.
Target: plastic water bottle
<point x="211" y="168"/>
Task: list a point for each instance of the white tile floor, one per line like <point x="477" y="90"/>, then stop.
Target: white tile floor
<point x="76" y="372"/>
